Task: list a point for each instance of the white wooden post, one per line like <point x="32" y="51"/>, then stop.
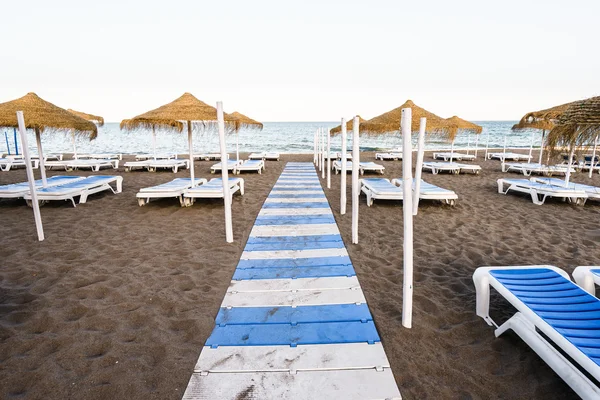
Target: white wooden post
<point x="191" y="146"/>
<point x="154" y="142"/>
<point x="568" y="174"/>
<point x="320" y="151"/>
<point x="468" y="142"/>
<point x="531" y="147"/>
<point x="30" y="178"/>
<point x="328" y="159"/>
<point x="74" y="145"/>
<point x="452" y="150"/>
<point x="504" y="152"/>
<point x="237" y="145"/>
<point x="487" y="145"/>
<point x="315" y="151"/>
<point x="476" y="143"/>
<point x="542" y="145"/>
<point x="419" y="167"/>
<point x="38" y="139"/>
<point x="407" y="211"/>
<point x="224" y="173"/>
<point x="343" y="177"/>
<point x="323" y="159"/>
<point x="355" y="184"/>
<point x="593" y="161"/>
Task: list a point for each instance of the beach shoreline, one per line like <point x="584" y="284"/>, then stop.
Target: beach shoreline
<point x="119" y="299"/>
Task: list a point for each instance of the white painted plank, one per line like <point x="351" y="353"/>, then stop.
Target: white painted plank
<point x="278" y="254"/>
<point x="296" y="211"/>
<point x="305" y="385"/>
<point x="294" y="230"/>
<point x="307" y="191"/>
<point x="294" y="298"/>
<point x="264" y="285"/>
<point x="297" y="200"/>
<point x="285" y="358"/>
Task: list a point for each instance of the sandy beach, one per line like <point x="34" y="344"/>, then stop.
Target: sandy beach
<point x="119" y="299"/>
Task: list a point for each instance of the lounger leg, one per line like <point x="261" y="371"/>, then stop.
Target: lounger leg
<point x="141" y="202"/>
<point x="482" y="296"/>
<point x="242" y="187"/>
<point x="82" y="198"/>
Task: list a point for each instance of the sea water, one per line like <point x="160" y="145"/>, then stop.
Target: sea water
<point x="284" y="137"/>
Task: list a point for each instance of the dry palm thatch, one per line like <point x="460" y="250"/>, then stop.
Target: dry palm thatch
<point x="542" y="119"/>
<point x="349" y="125"/>
<point x="172" y="115"/>
<point x="242" y="121"/>
<point x="41" y="116"/>
<point x="390" y="121"/>
<point x="456" y="124"/>
<point x="90" y="117"/>
<point x="577" y="127"/>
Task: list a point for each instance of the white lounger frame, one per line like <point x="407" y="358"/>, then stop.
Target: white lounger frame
<point x="190" y="196"/>
<point x="372" y="192"/>
<point x="388" y="156"/>
<point x="586" y="278"/>
<point x="91" y="163"/>
<point x="528" y="168"/>
<point x="155" y="192"/>
<point x="535" y="190"/>
<point x="362" y="167"/>
<point x="509" y="156"/>
<point x="444" y="195"/>
<point x="524" y="323"/>
<point x="452" y="167"/>
<point x="174" y="164"/>
<point x="231" y="165"/>
<point x="104" y="156"/>
<point x="164" y="156"/>
<point x="7" y="163"/>
<point x="82" y="193"/>
<point x="254" y="167"/>
<point x="455" y="156"/>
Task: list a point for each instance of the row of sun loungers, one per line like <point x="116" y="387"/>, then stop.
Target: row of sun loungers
<point x="91" y="163"/>
<point x="534" y="168"/>
<point x="362" y="167"/>
<point x="63" y="188"/>
<point x="265" y="155"/>
<point x="509" y="156"/>
<point x="187" y="193"/>
<point x="451" y="167"/>
<point x="383" y="189"/>
<point x="454" y="156"/>
<point x="153" y="165"/>
<point x="390" y="156"/>
<point x="557" y="318"/>
<point x="542" y="188"/>
<point x="6" y="164"/>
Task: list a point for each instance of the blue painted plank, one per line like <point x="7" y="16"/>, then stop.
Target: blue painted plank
<point x="294" y="189"/>
<point x="293" y="273"/>
<point x="293" y="315"/>
<point x="298" y="196"/>
<point x="294" y="243"/>
<point x="279" y="334"/>
<point x="295" y="219"/>
<point x="296" y="262"/>
<point x="294" y="239"/>
<point x="320" y="204"/>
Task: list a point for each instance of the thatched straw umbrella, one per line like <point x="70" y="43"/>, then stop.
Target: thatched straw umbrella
<point x="90" y="117"/>
<point x="543" y="120"/>
<point x="172" y="116"/>
<point x="241" y="121"/>
<point x="349" y="125"/>
<point x="41" y="116"/>
<point x="455" y="124"/>
<point x="390" y="121"/>
<point x="577" y="126"/>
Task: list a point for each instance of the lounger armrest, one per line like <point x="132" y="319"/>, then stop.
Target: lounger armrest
<point x="396" y="182"/>
<point x="584" y="277"/>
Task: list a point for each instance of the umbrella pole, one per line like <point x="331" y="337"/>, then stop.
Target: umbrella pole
<point x="191" y="146"/>
<point x="16" y="142"/>
<point x="38" y="139"/>
<point x="343" y="177"/>
<point x="504" y="151"/>
<point x="315" y="148"/>
<point x="407" y="211"/>
<point x="476" y="143"/>
<point x="30" y="178"/>
<point x="328" y="159"/>
<point x="531" y="147"/>
<point x="154" y="142"/>
<point x="468" y="142"/>
<point x="568" y="174"/>
<point x="237" y="146"/>
<point x="542" y="145"/>
<point x="74" y="145"/>
<point x="593" y="161"/>
<point x="451" y="150"/>
<point x="319" y="148"/>
<point x="224" y="174"/>
<point x="7" y="144"/>
<point x="419" y="167"/>
<point x="487" y="145"/>
<point x="323" y="147"/>
<point x="355" y="187"/>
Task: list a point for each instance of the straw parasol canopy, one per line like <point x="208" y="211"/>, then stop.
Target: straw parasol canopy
<point x="243" y="121"/>
<point x="456" y="124"/>
<point x="349" y="125"/>
<point x="172" y="115"/>
<point x="90" y="117"/>
<point x="390" y="121"/>
<point x="577" y="126"/>
<point x="542" y="119"/>
<point x="41" y="116"/>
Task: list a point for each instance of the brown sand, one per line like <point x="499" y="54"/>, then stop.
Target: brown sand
<point x="119" y="299"/>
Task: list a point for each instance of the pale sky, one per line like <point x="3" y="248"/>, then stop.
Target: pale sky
<point x="278" y="60"/>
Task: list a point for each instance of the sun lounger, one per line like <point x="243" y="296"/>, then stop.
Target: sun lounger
<point x="555" y="317"/>
<point x="47" y="157"/>
<point x="7" y="163"/>
<point x="379" y="188"/>
<point x="388" y="156"/>
<point x="80" y="188"/>
<point x="17" y="190"/>
<point x="251" y="166"/>
<point x="93" y="164"/>
<point x="212" y="190"/>
<point x="214" y="156"/>
<point x="133" y="165"/>
<point x="173" y="164"/>
<point x="529" y="168"/>
<point x="348" y="155"/>
<point x="257" y="156"/>
<point x="231" y="164"/>
<point x="454" y="156"/>
<point x="454" y="168"/>
<point x="174" y="188"/>
<point x="429" y="191"/>
<point x="362" y="167"/>
<point x="587" y="277"/>
<point x="593" y="192"/>
<point x="540" y="191"/>
<point x="509" y="156"/>
<point x="104" y="156"/>
<point x="588" y="163"/>
<point x="272" y="156"/>
<point x="164" y="156"/>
